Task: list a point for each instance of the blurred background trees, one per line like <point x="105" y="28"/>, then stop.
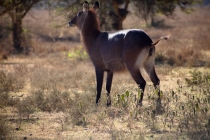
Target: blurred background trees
<point x="112" y="13"/>
<point x="17" y="10"/>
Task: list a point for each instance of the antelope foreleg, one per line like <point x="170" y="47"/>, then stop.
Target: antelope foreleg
<point x="108" y="86"/>
<point x="99" y="80"/>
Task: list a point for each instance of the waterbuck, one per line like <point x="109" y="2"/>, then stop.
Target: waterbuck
<point x="112" y="52"/>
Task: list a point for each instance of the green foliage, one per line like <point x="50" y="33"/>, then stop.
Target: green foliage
<point x="198" y="78"/>
<point x="78" y="53"/>
<point x="126" y="100"/>
<point x="146" y="8"/>
<point x="142" y="8"/>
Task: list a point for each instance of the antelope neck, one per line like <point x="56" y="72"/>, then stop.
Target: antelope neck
<point x="89" y="31"/>
<point x="83" y="23"/>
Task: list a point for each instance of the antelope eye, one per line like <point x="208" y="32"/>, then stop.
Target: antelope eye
<point x="79" y="13"/>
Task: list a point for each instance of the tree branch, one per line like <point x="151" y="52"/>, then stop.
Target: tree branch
<point x="29" y="7"/>
<point x="8" y="7"/>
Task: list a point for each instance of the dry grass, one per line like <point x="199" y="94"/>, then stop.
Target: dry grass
<point x="50" y="94"/>
<point x="59" y="103"/>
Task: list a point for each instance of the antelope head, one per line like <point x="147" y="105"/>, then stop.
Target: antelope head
<point x="79" y="19"/>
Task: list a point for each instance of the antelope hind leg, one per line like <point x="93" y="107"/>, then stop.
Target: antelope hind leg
<point x="108" y="86"/>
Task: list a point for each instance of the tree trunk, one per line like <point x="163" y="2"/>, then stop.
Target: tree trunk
<point x="17" y="33"/>
<point x="119" y="14"/>
<point x="153" y="24"/>
<point x="17" y="30"/>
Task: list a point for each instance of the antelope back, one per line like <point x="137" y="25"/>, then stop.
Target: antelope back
<point x="123" y="47"/>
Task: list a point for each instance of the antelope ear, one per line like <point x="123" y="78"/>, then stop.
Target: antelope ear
<point x="85" y="6"/>
<point x="96" y="6"/>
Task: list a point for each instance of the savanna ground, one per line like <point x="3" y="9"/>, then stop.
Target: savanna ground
<point x="50" y="92"/>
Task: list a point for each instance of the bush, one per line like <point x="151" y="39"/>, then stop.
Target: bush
<point x="7" y="82"/>
<point x="160" y="58"/>
<point x="25" y="107"/>
<point x="10" y="82"/>
<point x="4" y="129"/>
<point x="51" y="101"/>
<point x="198" y="78"/>
<point x="78" y="53"/>
<point x="81" y="108"/>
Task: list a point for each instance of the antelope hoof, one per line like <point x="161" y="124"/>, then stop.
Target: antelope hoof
<point x="159" y="101"/>
<point x="139" y="104"/>
<point x="108" y="103"/>
<point x="97" y="102"/>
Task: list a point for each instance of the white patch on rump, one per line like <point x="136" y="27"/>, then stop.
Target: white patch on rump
<point x="149" y="64"/>
<point x="141" y="58"/>
<point x="122" y="32"/>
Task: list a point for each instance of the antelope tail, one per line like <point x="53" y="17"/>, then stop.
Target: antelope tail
<point x="156" y="42"/>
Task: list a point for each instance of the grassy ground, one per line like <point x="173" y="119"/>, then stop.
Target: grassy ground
<point x="57" y="101"/>
<point x="50" y="94"/>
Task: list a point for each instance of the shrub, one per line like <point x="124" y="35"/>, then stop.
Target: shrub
<point x="10" y="82"/>
<point x="160" y="58"/>
<point x="81" y="108"/>
<point x="51" y="101"/>
<point x="25" y="107"/>
<point x="4" y="129"/>
<point x="198" y="78"/>
<point x="78" y="53"/>
<point x="7" y="82"/>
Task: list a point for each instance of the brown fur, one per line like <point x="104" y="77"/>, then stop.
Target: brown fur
<point x="112" y="52"/>
<point x="91" y="29"/>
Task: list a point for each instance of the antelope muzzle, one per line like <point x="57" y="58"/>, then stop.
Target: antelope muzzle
<point x="71" y="23"/>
